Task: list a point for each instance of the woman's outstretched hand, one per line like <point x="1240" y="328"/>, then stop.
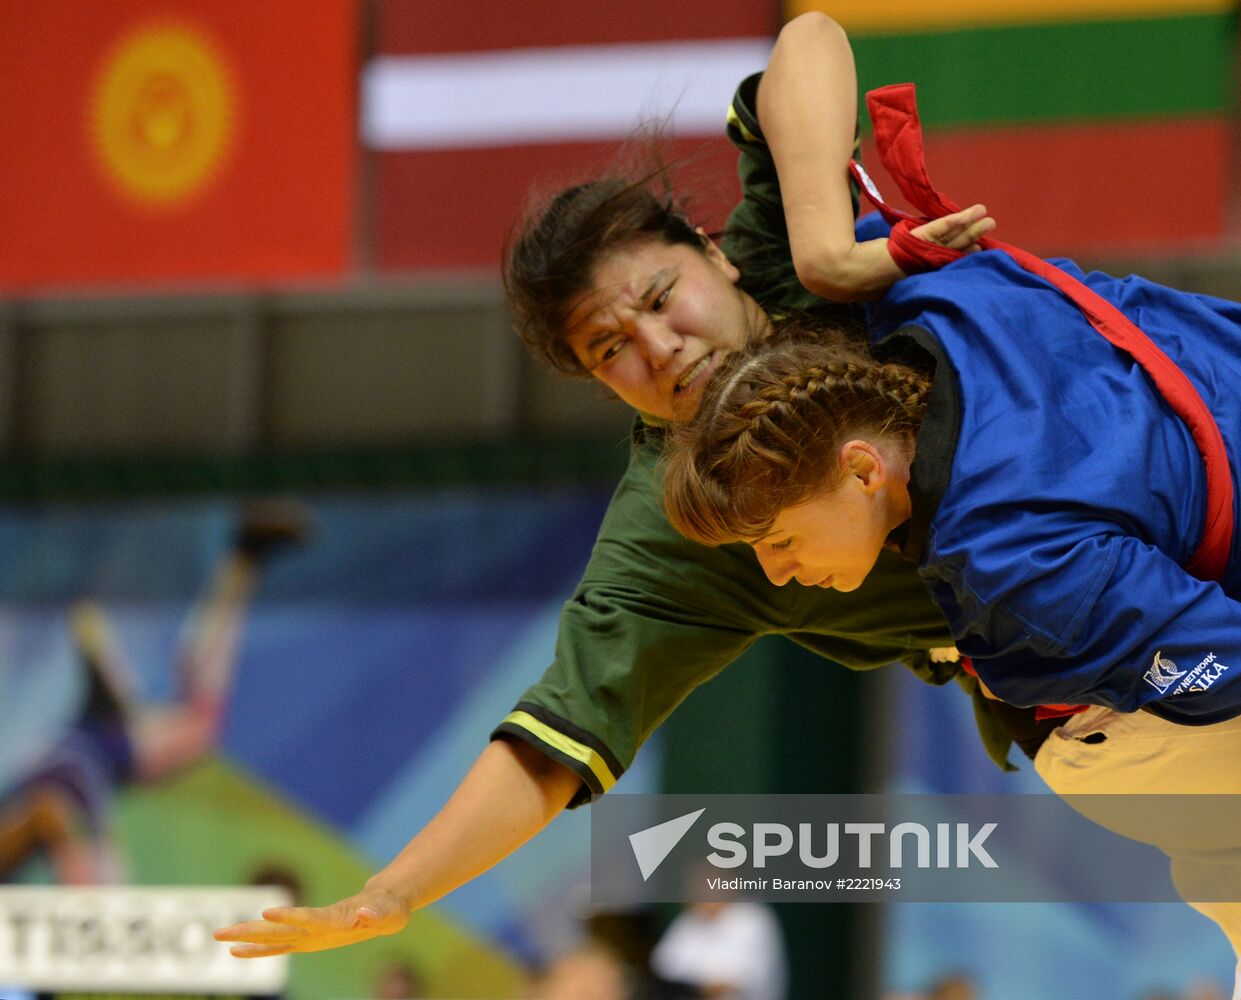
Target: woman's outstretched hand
<point x="959" y="231"/>
<point x="511" y="793"/>
<point x="373" y="912"/>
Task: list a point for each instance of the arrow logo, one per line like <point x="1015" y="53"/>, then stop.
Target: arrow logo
<point x="652" y="845"/>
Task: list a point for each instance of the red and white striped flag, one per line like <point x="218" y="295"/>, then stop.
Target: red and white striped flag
<point x="465" y="112"/>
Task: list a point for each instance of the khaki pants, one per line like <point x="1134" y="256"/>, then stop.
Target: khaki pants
<point x="1141" y="754"/>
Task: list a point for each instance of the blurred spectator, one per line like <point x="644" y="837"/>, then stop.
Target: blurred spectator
<point x="61" y="808"/>
<point x="590" y="972"/>
<point x="1201" y="989"/>
<point x="281" y="875"/>
<point x="631" y="934"/>
<point x="398" y="980"/>
<point x="731" y="950"/>
<point x="1204" y="990"/>
<point x="954" y="986"/>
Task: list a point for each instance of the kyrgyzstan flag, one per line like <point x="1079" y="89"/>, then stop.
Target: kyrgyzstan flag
<point x="467" y="109"/>
<point x="155" y="141"/>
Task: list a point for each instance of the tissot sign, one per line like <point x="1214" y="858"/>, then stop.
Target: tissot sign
<point x="120" y="938"/>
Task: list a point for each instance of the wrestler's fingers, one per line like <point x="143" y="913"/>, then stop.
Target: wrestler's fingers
<point x="968" y="240"/>
<point x="262" y="931"/>
<point x="948" y="227"/>
<point x="302" y="916"/>
<point x="959" y="230"/>
<point x="259" y="950"/>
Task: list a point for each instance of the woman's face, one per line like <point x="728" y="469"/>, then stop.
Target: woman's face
<point x="658" y="321"/>
<point x="834" y="539"/>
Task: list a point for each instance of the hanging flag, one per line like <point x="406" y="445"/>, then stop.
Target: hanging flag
<point x="173" y="141"/>
<point x="466" y="115"/>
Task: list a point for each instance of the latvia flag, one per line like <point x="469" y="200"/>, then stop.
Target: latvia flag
<point x="466" y="111"/>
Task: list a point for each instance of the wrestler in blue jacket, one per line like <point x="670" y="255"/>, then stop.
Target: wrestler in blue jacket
<point x="1056" y="496"/>
<point x="1051" y="503"/>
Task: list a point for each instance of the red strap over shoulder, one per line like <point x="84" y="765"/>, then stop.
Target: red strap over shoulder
<point x="898" y="134"/>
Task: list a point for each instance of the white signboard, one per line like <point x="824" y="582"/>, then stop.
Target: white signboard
<point x="119" y="938"/>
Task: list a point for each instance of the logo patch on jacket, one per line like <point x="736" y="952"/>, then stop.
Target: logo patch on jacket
<point x="1164" y="673"/>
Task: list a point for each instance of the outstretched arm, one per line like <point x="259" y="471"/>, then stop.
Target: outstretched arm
<point x="508" y="796"/>
<point x="807" y="106"/>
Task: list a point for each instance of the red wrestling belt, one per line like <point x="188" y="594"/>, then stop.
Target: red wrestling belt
<point x="898" y="135"/>
<point x="1041" y="712"/>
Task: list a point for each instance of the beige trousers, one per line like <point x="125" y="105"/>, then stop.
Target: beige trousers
<point x="1101" y="752"/>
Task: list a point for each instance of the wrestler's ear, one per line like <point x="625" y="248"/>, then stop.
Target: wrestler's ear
<point x="717" y="256"/>
<point x="864" y="464"/>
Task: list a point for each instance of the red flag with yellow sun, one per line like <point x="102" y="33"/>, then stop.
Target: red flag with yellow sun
<point x="146" y="142"/>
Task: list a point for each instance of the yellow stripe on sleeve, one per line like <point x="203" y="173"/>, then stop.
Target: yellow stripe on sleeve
<point x="734" y="119"/>
<point x="567" y="746"/>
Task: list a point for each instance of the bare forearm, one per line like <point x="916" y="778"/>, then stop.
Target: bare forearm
<point x="807" y="106"/>
<point x="510" y="794"/>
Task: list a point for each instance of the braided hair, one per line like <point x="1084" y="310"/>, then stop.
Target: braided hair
<point x="771" y="424"/>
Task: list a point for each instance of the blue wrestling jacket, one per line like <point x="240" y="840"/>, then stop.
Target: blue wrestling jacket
<point x="1056" y="496"/>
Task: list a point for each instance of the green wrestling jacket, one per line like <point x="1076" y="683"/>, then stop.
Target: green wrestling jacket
<point x="654" y="615"/>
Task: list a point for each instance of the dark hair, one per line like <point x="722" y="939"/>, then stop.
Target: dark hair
<point x="772" y="420"/>
<point x="552" y="259"/>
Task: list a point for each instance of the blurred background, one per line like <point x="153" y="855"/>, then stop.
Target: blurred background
<point x="278" y="480"/>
